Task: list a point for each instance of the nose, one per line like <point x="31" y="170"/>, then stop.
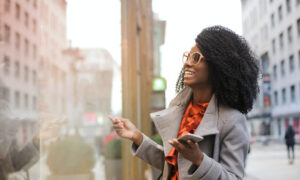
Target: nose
<point x="187" y="63"/>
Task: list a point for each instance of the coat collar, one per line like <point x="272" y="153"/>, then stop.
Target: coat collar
<point x="168" y="121"/>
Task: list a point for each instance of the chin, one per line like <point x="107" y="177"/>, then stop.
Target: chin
<point x="187" y="83"/>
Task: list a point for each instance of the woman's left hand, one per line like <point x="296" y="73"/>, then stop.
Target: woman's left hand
<point x="189" y="151"/>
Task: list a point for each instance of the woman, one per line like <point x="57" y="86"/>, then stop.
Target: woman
<point x="216" y="88"/>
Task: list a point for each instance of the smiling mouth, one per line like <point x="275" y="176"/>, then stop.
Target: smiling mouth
<point x="188" y="73"/>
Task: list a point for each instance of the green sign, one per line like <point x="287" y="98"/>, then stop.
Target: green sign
<point x="159" y="84"/>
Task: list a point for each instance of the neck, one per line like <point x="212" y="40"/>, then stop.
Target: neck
<point x="202" y="94"/>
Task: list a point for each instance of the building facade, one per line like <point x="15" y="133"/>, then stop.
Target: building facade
<point x="37" y="79"/>
<point x="19" y="46"/>
<point x="272" y="28"/>
<point x="54" y="69"/>
<point x="98" y="92"/>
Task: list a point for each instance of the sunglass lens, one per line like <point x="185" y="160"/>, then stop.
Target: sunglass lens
<point x="196" y="58"/>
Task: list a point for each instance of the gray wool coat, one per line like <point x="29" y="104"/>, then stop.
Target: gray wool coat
<point x="225" y="144"/>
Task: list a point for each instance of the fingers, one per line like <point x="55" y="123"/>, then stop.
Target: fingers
<point x="191" y="144"/>
<point x="114" y="120"/>
<point x="118" y="123"/>
<point x="181" y="147"/>
<point x="177" y="145"/>
<point x="117" y="120"/>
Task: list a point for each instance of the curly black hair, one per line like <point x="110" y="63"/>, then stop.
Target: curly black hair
<point x="233" y="68"/>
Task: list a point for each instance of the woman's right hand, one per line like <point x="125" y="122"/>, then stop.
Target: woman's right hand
<point x="126" y="129"/>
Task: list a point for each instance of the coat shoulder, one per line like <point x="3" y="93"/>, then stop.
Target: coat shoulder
<point x="230" y="117"/>
<point x="227" y="114"/>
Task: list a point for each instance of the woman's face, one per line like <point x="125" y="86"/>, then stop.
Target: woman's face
<point x="195" y="72"/>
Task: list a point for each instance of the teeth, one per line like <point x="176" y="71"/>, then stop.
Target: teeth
<point x="188" y="73"/>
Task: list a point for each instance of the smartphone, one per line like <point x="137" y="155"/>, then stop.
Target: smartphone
<point x="192" y="137"/>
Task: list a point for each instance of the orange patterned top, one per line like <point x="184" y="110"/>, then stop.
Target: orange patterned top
<point x="189" y="123"/>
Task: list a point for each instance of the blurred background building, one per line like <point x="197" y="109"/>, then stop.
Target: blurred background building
<point x="19" y="46"/>
<point x="272" y="28"/>
<point x="98" y="77"/>
<point x="55" y="92"/>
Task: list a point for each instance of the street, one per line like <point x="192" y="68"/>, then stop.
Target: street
<point x="270" y="163"/>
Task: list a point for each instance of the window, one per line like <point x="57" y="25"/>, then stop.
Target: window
<point x="275" y="72"/>
<point x="293" y="95"/>
<point x="34" y="77"/>
<point x="265" y="63"/>
<point x="34" y="107"/>
<point x="35" y="3"/>
<point x="273" y="20"/>
<point x="290" y="34"/>
<point x="288" y="6"/>
<point x="18" y="41"/>
<point x="5" y="94"/>
<point x="18" y="11"/>
<point x="7" y="5"/>
<point x="274" y="46"/>
<point x="17" y="69"/>
<point x="281" y="40"/>
<point x="6" y="34"/>
<point x="280" y="13"/>
<point x="299" y="59"/>
<point x="283" y="96"/>
<point x="6" y="65"/>
<point x="291" y="61"/>
<point x="17" y="99"/>
<point x="26" y="101"/>
<point x="34" y="52"/>
<point x="298" y="2"/>
<point x="298" y="26"/>
<point x="282" y="68"/>
<point x="26" y="46"/>
<point x="275" y="98"/>
<point x="34" y="25"/>
<point x="26" y="73"/>
<point x="26" y="19"/>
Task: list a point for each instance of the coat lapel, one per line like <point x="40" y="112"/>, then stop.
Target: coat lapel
<point x="168" y="121"/>
<point x="209" y="123"/>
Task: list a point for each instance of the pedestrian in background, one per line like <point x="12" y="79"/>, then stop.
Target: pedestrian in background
<point x="216" y="89"/>
<point x="290" y="143"/>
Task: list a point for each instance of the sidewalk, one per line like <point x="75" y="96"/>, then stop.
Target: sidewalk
<point x="270" y="163"/>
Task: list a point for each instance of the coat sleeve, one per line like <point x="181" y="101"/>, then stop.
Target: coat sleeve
<point x="233" y="153"/>
<point x="149" y="151"/>
<point x="26" y="157"/>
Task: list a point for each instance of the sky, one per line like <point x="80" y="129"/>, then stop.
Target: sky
<point x="96" y="24"/>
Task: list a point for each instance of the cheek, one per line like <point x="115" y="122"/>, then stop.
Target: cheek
<point x="203" y="74"/>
